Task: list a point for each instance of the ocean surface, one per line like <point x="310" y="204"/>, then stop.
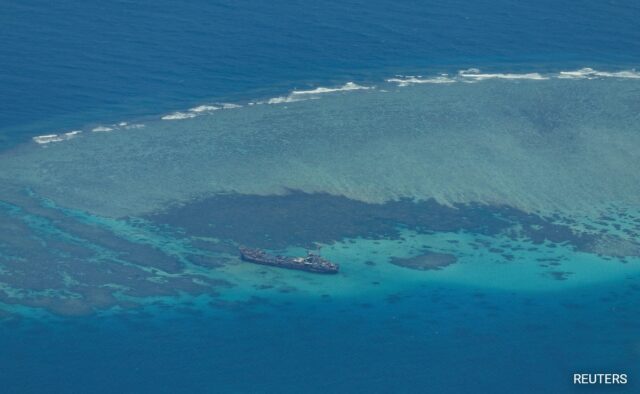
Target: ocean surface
<point x="474" y="168"/>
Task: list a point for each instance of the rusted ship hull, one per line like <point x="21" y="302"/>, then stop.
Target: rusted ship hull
<point x="311" y="263"/>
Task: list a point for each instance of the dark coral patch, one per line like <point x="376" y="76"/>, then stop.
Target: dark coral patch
<point x="558" y="275"/>
<point x="303" y="219"/>
<point x="425" y="262"/>
<point x="54" y="260"/>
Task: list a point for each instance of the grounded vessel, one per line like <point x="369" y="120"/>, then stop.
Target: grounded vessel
<point x="310" y="263"/>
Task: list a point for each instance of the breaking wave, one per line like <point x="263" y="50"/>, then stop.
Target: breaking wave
<point x="179" y="116"/>
<point x="409" y="80"/>
<point x="199" y="110"/>
<point x="101" y="129"/>
<point x="48" y="138"/>
<point x="475" y="75"/>
<point x="301" y="95"/>
<point x="204" y="108"/>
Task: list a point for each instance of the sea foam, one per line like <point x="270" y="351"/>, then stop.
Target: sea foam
<point x="321" y="90"/>
<point x="475" y="75"/>
<point x="302" y="95"/>
<point x="204" y="108"/>
<point x="590" y="73"/>
<point x="101" y="129"/>
<point x="179" y="116"/>
<point x="231" y="106"/>
<point x="411" y="80"/>
<point x="48" y="138"/>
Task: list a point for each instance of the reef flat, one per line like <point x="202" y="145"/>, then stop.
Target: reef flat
<point x="509" y="183"/>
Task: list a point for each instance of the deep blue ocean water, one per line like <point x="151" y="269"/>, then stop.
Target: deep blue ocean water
<point x="69" y="65"/>
<point x="445" y="340"/>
